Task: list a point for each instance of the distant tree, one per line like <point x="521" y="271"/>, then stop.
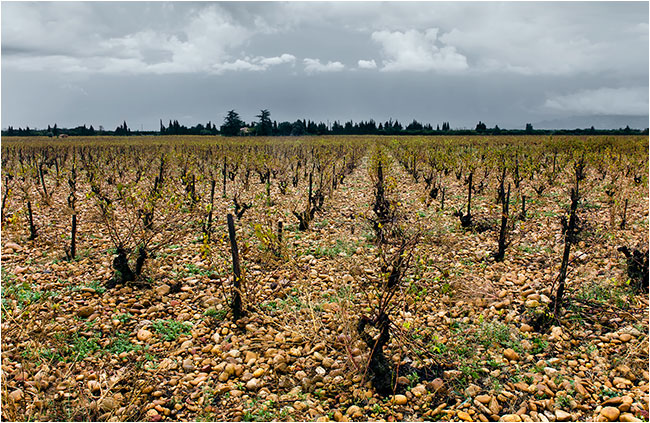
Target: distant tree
<point x="496" y="130"/>
<point x="480" y="127"/>
<point x="298" y="128"/>
<point x="232" y="124"/>
<point x="264" y="127"/>
<point x="337" y="128"/>
<point x="311" y="128"/>
<point x="414" y="126"/>
<point x="529" y="128"/>
<point x="162" y="127"/>
<point x="284" y="129"/>
<point x="121" y="130"/>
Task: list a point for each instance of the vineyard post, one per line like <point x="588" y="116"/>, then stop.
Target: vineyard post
<point x="236" y="302"/>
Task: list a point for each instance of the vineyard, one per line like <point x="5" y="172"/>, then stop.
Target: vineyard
<point x="328" y="278"/>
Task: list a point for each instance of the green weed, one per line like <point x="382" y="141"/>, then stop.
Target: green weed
<point x="170" y="330"/>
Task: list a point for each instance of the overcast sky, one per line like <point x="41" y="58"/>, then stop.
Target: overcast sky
<point x="503" y="63"/>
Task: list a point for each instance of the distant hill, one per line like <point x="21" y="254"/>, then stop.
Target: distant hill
<point x="597" y="121"/>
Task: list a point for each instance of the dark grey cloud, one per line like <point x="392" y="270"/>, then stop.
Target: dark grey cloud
<point x="503" y="63"/>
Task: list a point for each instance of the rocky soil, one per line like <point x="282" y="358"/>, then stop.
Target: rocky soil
<point x="169" y="350"/>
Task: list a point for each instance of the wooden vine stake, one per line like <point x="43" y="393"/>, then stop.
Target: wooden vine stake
<point x="236" y="301"/>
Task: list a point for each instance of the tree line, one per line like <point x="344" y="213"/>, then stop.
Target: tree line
<point x="233" y="125"/>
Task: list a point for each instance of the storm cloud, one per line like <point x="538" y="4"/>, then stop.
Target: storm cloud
<point x="503" y="63"/>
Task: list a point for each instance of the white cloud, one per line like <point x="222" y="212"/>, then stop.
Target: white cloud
<point x="205" y="42"/>
<point x="417" y="51"/>
<point x="367" y="64"/>
<point x="314" y="65"/>
<point x="534" y="39"/>
<point x="278" y="60"/>
<point x="529" y="38"/>
<point x="254" y="64"/>
<point x="611" y="101"/>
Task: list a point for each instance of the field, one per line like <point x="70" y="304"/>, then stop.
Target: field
<point x="381" y="278"/>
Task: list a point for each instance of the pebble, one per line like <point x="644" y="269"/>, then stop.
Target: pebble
<point x="621" y="381"/>
<point x="610" y="413"/>
<point x="250" y="358"/>
<point x="143" y="334"/>
<point x="419" y="390"/>
<point x="85" y="312"/>
<point x="436" y="386"/>
<point x="229" y="369"/>
<point x="16" y="395"/>
<point x="510" y="418"/>
<point x="184" y="317"/>
<point x="562" y="416"/>
<point x="354" y="411"/>
<point x="483" y="399"/>
<point x="188" y="365"/>
<point x="526" y="328"/>
<point x="253" y="384"/>
<point x="13" y="246"/>
<point x="464" y="416"/>
<point x="163" y="290"/>
<point x="628" y="417"/>
<point x="472" y="390"/>
<point x="94" y="386"/>
<point x="556" y="334"/>
<point x="510" y="354"/>
<point x="400" y="399"/>
<point x="107" y="404"/>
